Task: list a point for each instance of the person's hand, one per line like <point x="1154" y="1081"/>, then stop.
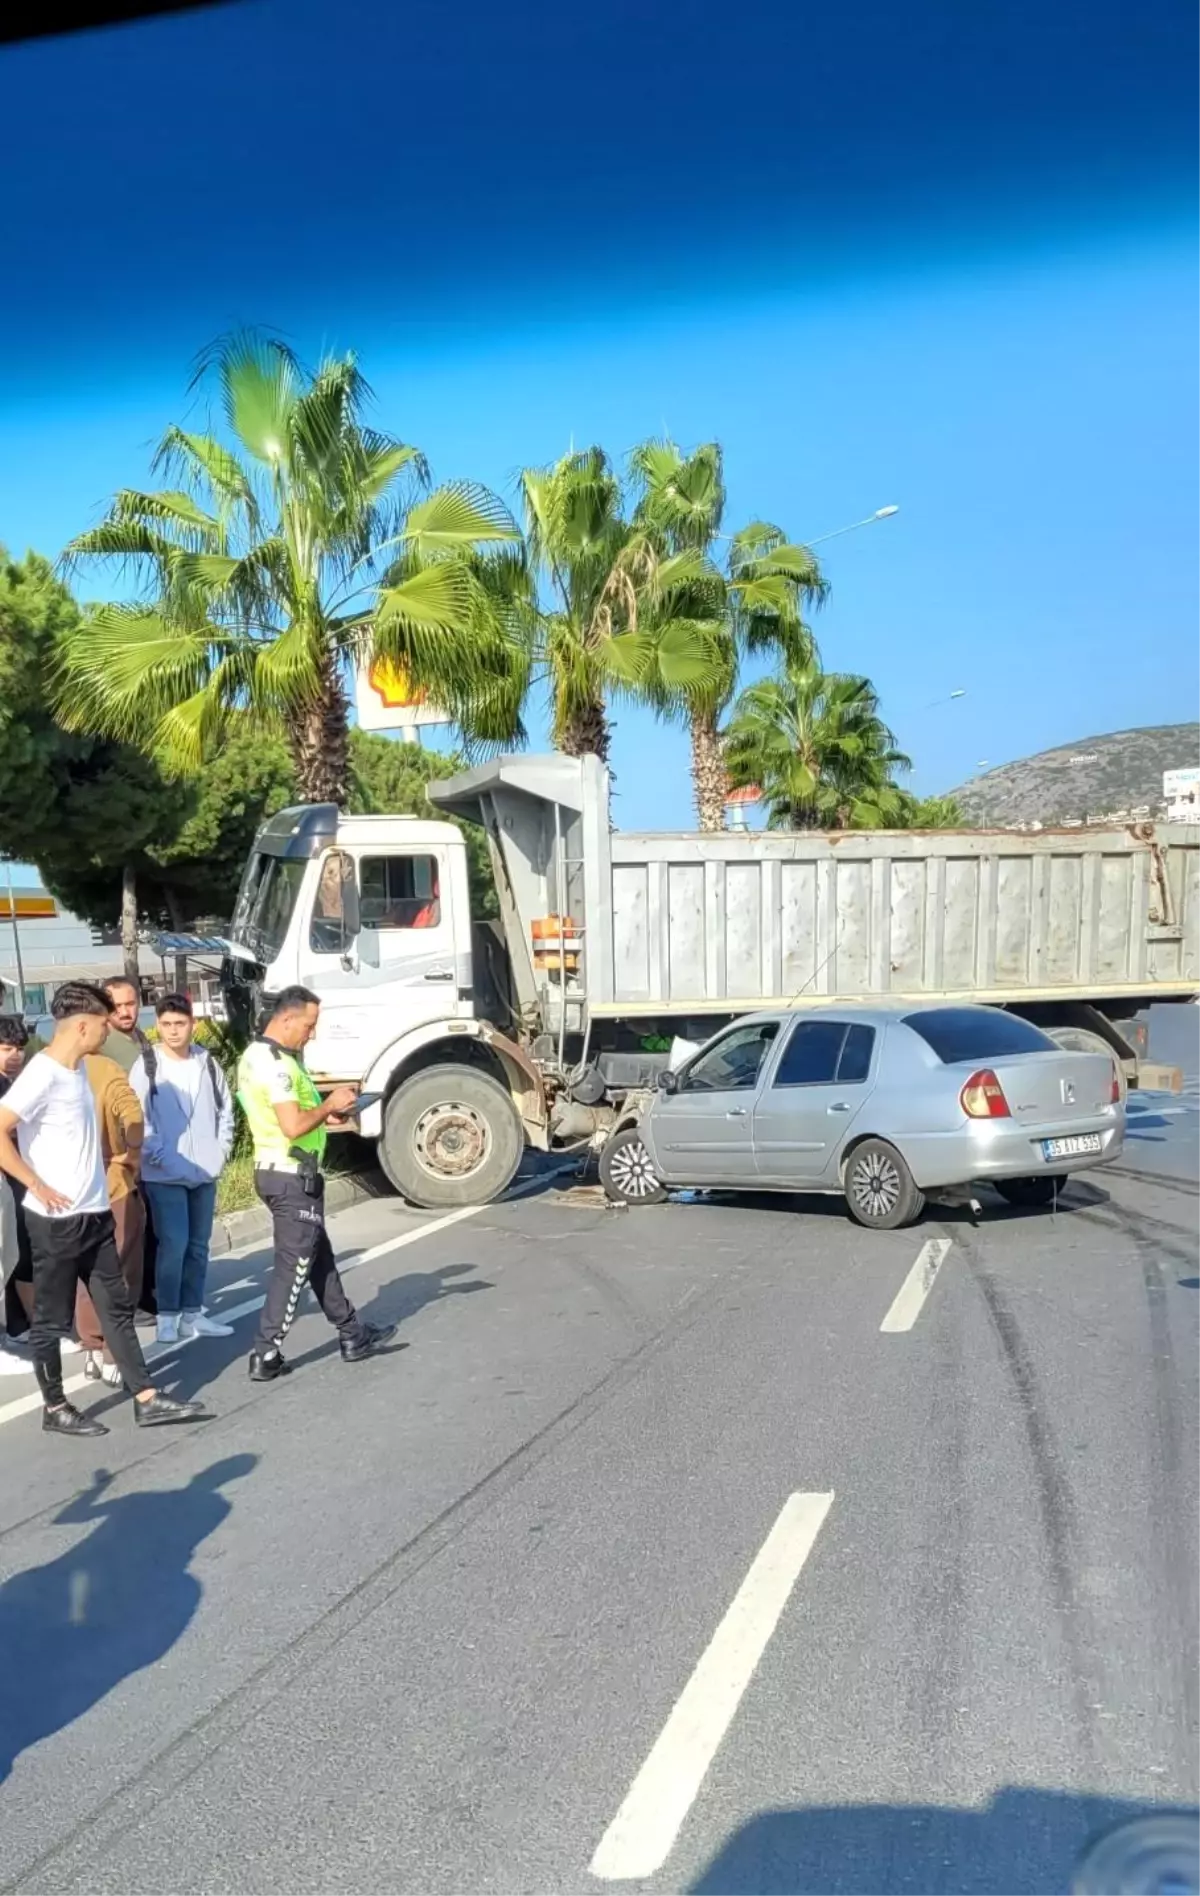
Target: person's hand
<point x="47" y="1196"/>
<point x="341" y="1101"/>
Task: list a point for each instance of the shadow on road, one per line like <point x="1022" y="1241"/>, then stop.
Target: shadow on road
<point x="111" y="1605"/>
<point x="195" y="1368"/>
<point x="1024" y="1843"/>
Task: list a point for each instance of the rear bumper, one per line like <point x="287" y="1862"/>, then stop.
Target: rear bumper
<point x="997" y="1148"/>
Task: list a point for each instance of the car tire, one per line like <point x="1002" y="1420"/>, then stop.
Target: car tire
<point x="1029" y="1192"/>
<point x="627" y="1172"/>
<point x="451" y="1137"/>
<point x="880" y="1191"/>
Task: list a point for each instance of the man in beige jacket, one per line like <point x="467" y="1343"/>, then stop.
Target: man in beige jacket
<point x="122" y="1129"/>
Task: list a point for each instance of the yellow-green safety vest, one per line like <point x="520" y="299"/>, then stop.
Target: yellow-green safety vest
<point x="258" y="1073"/>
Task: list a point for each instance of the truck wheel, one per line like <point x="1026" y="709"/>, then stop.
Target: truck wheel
<point x="626" y="1172"/>
<point x="451" y="1137"/>
<point x="1028" y="1192"/>
<point x="879" y="1187"/>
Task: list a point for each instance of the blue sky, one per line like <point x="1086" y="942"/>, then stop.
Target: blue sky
<point x="918" y="258"/>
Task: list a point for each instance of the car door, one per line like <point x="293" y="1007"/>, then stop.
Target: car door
<point x="812" y="1092"/>
<point x="701" y="1133"/>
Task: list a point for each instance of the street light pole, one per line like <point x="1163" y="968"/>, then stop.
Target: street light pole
<point x="12" y="916"/>
<point x="880" y="513"/>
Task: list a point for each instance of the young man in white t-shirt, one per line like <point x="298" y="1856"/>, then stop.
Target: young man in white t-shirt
<point x="58" y="1158"/>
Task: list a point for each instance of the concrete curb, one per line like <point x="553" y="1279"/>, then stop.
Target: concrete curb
<point x="237" y="1228"/>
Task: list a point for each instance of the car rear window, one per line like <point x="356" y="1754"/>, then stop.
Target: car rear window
<point x="972" y="1033"/>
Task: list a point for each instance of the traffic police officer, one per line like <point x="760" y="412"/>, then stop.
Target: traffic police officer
<point x="287" y="1119"/>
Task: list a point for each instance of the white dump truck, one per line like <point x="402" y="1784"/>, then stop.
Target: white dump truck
<point x="546" y="1027"/>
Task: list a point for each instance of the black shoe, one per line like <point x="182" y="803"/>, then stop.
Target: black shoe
<point x="265" y="1365"/>
<point x="68" y="1420"/>
<point x="161" y="1409"/>
<point x="371" y="1337"/>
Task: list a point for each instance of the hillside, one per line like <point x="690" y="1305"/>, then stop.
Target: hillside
<point x="1092" y="778"/>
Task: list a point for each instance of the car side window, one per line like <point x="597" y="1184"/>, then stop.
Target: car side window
<point x="734" y="1064"/>
<point x="811" y="1055"/>
<point x="857" y="1048"/>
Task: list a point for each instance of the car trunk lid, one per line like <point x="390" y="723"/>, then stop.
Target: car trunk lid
<point x="1051" y="1088"/>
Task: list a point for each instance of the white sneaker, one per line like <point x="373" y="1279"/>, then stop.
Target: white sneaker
<point x="196" y="1323"/>
<point x="69" y="1346"/>
<point x="167" y="1330"/>
<point x="11" y="1365"/>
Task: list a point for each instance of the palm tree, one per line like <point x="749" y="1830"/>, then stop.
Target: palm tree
<point x="753" y="605"/>
<point x="814" y="743"/>
<point x="303" y="541"/>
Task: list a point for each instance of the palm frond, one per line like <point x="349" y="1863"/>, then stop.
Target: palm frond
<point x="455" y="517"/>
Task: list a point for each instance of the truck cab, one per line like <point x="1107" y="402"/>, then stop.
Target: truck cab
<point x="372" y="913"/>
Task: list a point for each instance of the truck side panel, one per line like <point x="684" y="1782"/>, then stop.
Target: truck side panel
<point x="701" y="922"/>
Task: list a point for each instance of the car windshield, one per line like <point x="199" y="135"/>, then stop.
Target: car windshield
<point x="265" y="904"/>
<point x="972" y="1033"/>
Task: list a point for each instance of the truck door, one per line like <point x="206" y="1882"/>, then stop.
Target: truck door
<point x="380" y="951"/>
<point x="810" y="1098"/>
<point x="701" y="1133"/>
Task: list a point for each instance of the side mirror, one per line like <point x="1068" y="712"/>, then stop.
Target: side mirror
<point x="351" y="916"/>
<point x="668" y="1081"/>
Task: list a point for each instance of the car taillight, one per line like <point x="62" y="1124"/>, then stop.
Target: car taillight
<point x="983" y="1097"/>
<point x="1115" y="1096"/>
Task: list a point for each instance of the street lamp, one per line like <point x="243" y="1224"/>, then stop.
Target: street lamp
<point x="880" y="513"/>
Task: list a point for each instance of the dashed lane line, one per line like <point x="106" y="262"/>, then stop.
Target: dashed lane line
<point x="910" y="1298"/>
<point x="641" y="1835"/>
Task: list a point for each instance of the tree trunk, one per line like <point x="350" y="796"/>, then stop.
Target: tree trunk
<point x="319" y="741"/>
<point x="129" y="925"/>
<point x="586" y="734"/>
<point x="709" y="778"/>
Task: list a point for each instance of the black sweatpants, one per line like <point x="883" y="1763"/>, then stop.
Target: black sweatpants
<point x="70" y="1251"/>
<point x="303" y="1254"/>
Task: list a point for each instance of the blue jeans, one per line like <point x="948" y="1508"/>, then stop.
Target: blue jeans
<point x="182" y="1216"/>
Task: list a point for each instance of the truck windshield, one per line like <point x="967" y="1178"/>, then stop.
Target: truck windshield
<point x="265" y="903"/>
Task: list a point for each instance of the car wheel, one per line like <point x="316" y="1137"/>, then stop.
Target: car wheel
<point x="627" y="1171"/>
<point x="1028" y="1191"/>
<point x="879" y="1187"/>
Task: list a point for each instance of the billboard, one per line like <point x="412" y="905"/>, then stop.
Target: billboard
<point x="386" y="700"/>
<point x="1181" y="792"/>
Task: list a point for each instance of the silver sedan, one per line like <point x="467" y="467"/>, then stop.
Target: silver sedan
<point x="883" y="1105"/>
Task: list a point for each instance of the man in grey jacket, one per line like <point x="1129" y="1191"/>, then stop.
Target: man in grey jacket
<point x="189" y="1134"/>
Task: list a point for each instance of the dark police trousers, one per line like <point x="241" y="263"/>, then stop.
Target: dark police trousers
<point x="303" y="1254"/>
<point x="70" y="1251"/>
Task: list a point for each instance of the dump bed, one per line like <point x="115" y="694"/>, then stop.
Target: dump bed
<point x="698" y="924"/>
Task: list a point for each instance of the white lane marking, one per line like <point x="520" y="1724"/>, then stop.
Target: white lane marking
<point x="906" y="1305"/>
<point x="641" y="1835"/>
<point x="26" y="1405"/>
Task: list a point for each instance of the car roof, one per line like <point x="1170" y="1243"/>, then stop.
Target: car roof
<point x="873" y="1014"/>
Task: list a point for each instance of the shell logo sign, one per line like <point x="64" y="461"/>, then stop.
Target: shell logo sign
<point x="386" y="700"/>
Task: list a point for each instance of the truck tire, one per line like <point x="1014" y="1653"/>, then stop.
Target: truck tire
<point x="880" y="1190"/>
<point x="626" y="1173"/>
<point x="451" y="1137"/>
<point x="1083" y="1040"/>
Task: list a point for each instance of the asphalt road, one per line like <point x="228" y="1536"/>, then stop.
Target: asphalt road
<point x="528" y="1605"/>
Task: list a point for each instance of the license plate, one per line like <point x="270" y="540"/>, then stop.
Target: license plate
<point x="1071" y="1147"/>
